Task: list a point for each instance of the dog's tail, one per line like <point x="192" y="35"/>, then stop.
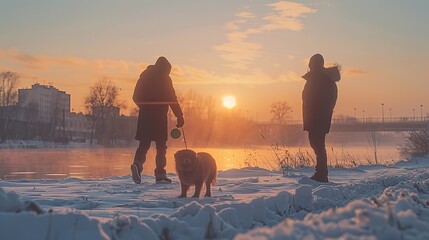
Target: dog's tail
<point x="213" y="171"/>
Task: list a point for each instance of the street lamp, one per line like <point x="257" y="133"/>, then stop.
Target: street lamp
<point x="390" y="114"/>
<point x="414" y="114"/>
<point x="382" y="112"/>
<point x="363" y="115"/>
<point x="421" y="112"/>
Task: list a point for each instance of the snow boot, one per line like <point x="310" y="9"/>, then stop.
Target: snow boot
<point x="136" y="173"/>
<point x="161" y="176"/>
<point x="163" y="179"/>
<point x="320" y="177"/>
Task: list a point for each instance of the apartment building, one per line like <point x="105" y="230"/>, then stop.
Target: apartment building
<point x="47" y="102"/>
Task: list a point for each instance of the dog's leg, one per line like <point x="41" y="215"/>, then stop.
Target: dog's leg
<point x="184" y="190"/>
<point x="208" y="191"/>
<point x="198" y="187"/>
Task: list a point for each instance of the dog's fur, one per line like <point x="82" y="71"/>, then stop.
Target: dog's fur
<point x="195" y="169"/>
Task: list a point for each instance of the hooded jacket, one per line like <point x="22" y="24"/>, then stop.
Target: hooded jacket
<point x="154" y="94"/>
<point x="319" y="98"/>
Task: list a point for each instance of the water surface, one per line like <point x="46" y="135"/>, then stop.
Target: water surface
<point x="106" y="162"/>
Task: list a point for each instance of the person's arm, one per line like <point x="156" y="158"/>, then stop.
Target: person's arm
<point x="175" y="107"/>
<point x="177" y="111"/>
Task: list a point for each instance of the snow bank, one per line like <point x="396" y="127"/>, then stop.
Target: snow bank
<point x="399" y="213"/>
<point x="10" y="202"/>
<point x="49" y="226"/>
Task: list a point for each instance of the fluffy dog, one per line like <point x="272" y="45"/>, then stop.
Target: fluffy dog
<point x="195" y="169"/>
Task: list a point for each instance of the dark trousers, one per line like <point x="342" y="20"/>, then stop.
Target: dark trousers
<point x="160" y="159"/>
<point x="317" y="142"/>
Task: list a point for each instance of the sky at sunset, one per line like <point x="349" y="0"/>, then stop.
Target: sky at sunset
<point x="254" y="50"/>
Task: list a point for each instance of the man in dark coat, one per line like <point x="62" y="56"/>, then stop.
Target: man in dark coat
<point x="154" y="94"/>
<point x="318" y="101"/>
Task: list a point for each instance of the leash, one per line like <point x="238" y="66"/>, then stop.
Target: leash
<point x="184" y="138"/>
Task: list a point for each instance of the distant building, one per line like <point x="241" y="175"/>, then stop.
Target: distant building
<point x="106" y="112"/>
<point x="77" y="126"/>
<point x="50" y="107"/>
<point x="47" y="102"/>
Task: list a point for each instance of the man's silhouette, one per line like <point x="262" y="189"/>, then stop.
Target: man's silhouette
<point x="154" y="94"/>
<point x="318" y="101"/>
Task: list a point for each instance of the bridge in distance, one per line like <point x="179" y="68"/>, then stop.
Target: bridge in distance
<point x="365" y="125"/>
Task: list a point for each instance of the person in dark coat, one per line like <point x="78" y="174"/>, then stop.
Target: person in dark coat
<point x="154" y="94"/>
<point x="318" y="101"/>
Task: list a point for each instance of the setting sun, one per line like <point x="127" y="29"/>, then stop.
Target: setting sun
<point x="229" y="102"/>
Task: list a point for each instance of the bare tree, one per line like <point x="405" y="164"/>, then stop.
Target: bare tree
<point x="374" y="143"/>
<point x="192" y="105"/>
<point x="211" y="115"/>
<point x="193" y="110"/>
<point x="8" y="98"/>
<point x="101" y="103"/>
<point x="280" y="112"/>
<point x="416" y="144"/>
<point x="8" y="88"/>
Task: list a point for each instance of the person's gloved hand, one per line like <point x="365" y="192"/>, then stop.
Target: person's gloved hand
<point x="180" y="122"/>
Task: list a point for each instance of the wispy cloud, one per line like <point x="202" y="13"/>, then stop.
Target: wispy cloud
<point x="239" y="51"/>
<point x="353" y="72"/>
<point x="286" y="15"/>
<point x="48" y="63"/>
<point x="39" y="61"/>
<point x="75" y="70"/>
<point x="62" y="69"/>
<point x="242" y="18"/>
<point x="183" y="74"/>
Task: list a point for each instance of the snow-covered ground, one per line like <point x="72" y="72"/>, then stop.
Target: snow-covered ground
<point x="365" y="202"/>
